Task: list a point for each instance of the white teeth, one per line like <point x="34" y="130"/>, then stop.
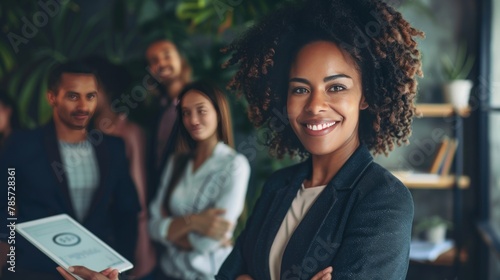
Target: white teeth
<point x="319" y="126"/>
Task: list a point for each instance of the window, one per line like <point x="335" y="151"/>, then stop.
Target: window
<point x="489" y="141"/>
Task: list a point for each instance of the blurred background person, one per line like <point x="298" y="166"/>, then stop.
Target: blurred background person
<point x="202" y="189"/>
<point x="113" y="84"/>
<point x="173" y="72"/>
<point x="8" y="117"/>
<point x="64" y="168"/>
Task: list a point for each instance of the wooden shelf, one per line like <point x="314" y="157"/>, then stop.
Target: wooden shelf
<point x="441" y="110"/>
<point x="447" y="258"/>
<point x="429" y="181"/>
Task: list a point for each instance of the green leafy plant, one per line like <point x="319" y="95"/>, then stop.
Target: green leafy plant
<point x="432" y="222"/>
<point x="460" y="66"/>
<point x="216" y="16"/>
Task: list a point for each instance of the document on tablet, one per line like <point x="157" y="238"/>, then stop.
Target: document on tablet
<point x="68" y="243"/>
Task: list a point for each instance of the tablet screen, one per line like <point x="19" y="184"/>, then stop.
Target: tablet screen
<point x="71" y="244"/>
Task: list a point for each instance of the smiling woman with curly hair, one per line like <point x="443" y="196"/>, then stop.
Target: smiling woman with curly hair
<point x="375" y="36"/>
<point x="345" y="73"/>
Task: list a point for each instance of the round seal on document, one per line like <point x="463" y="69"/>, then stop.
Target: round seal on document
<point x="66" y="239"/>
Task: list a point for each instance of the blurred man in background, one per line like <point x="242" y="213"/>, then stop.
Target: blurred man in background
<point x="64" y="168"/>
<point x="173" y="72"/>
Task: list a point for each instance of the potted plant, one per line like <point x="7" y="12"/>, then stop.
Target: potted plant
<point x="433" y="228"/>
<point x="457" y="88"/>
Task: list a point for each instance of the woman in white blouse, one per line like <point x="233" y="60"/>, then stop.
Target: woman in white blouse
<point x="202" y="190"/>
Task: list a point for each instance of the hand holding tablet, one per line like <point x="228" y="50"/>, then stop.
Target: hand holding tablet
<point x="85" y="273"/>
<point x="69" y="244"/>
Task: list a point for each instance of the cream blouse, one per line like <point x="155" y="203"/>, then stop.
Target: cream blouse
<point x="300" y="205"/>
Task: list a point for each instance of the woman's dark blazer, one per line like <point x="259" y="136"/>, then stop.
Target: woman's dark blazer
<point x="360" y="224"/>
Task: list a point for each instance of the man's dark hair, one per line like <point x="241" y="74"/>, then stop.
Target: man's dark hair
<point x="72" y="67"/>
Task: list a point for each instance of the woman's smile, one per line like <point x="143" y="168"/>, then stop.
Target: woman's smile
<point x="319" y="127"/>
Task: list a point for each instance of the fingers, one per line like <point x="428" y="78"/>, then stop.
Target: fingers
<point x="210" y="223"/>
<point x="107" y="271"/>
<point x="218" y="229"/>
<point x="325" y="274"/>
<point x="219" y="211"/>
<point x="64" y="273"/>
<point x="226" y="242"/>
<point x="88" y="274"/>
<point x="110" y="273"/>
<point x="221" y="225"/>
<point x="328" y="270"/>
<point x="113" y="274"/>
<point x="214" y="211"/>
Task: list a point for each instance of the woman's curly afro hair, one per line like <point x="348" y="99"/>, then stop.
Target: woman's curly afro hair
<point x="375" y="35"/>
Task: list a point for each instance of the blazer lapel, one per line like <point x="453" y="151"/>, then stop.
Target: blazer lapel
<point x="57" y="166"/>
<point x="311" y="241"/>
<point x="306" y="233"/>
<point x="280" y="205"/>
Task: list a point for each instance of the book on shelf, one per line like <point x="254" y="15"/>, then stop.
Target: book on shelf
<point x="427" y="251"/>
<point x="444" y="157"/>
<point x="440" y="169"/>
<point x="450" y="155"/>
<point x="441" y="154"/>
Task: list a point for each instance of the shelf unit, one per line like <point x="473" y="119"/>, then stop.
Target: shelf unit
<point x="441" y="182"/>
<point x="457" y="182"/>
<point x="441" y="110"/>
